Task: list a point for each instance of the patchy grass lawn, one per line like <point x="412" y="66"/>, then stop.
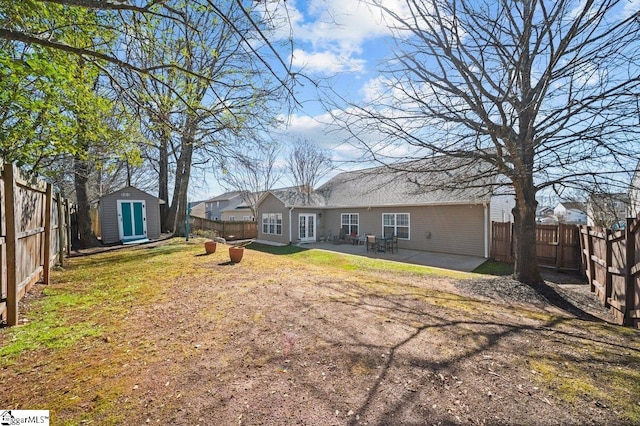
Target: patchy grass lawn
<point x="163" y="334"/>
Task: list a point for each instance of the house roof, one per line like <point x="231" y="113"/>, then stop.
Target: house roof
<point x="572" y="205"/>
<point x="415" y="184"/>
<point x="226" y="196"/>
<point x="241" y="205"/>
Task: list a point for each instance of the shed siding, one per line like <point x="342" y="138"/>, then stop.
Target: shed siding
<point x="109" y="213"/>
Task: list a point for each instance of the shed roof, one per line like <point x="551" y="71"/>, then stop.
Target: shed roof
<point x="127" y="188"/>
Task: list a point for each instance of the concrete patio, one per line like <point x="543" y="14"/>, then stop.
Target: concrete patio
<point x="439" y="260"/>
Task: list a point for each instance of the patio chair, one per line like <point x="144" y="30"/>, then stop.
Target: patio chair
<point x="372" y="243"/>
<point x="340" y="238"/>
<point x="391" y="244"/>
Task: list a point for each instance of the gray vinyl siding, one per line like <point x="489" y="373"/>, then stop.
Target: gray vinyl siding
<point x="109" y="213"/>
<point x="501" y="208"/>
<point x="456" y="229"/>
<point x="272" y="205"/>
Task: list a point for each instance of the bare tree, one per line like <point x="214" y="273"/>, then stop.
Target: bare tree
<point x="252" y="173"/>
<point x="307" y="164"/>
<point x="543" y="92"/>
<point x="197" y="111"/>
<point x="208" y="66"/>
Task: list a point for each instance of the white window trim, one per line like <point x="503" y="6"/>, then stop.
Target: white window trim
<point x="395" y="226"/>
<point x="350" y="224"/>
<point x="267" y="218"/>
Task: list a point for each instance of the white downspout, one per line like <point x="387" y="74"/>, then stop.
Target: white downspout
<point x="486" y="230"/>
<point x="290" y="224"/>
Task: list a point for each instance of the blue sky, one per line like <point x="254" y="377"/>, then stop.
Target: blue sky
<point x="340" y="44"/>
<point x="337" y="43"/>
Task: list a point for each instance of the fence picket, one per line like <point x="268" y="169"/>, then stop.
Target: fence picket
<point x="28" y="237"/>
<point x="557" y="246"/>
<point x="227" y="230"/>
<point x="613" y="269"/>
<point x="11" y="240"/>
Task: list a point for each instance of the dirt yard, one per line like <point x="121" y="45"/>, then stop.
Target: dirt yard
<point x="163" y="334"/>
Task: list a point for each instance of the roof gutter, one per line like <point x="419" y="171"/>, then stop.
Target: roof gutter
<point x="486" y="230"/>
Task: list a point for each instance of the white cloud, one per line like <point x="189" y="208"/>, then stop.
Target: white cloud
<point x="331" y="33"/>
<point x="632" y="7"/>
<point x="326" y="62"/>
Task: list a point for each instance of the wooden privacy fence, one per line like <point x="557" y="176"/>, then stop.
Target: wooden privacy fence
<point x="34" y="235"/>
<point x="612" y="266"/>
<point x="557" y="246"/>
<point x="224" y="229"/>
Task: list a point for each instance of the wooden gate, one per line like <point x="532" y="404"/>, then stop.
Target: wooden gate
<point x="612" y="266"/>
<point x="557" y="246"/>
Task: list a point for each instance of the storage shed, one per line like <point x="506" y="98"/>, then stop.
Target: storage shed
<point x="128" y="215"/>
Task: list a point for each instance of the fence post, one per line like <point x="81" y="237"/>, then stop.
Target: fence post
<point x="61" y="227"/>
<point x="592" y="263"/>
<point x="560" y="246"/>
<point x="629" y="277"/>
<point x="12" y="242"/>
<point x="608" y="263"/>
<point x="69" y="234"/>
<point x="47" y="234"/>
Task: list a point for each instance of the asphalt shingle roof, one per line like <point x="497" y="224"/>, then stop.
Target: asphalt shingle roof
<point x="382" y="186"/>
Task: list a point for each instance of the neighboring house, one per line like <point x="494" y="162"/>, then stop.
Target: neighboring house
<point x="502" y="207"/>
<point x="634" y="194"/>
<point x="571" y="212"/>
<point x="238" y="211"/>
<point x="198" y="209"/>
<point x="214" y="206"/>
<point x="545" y="216"/>
<point x="381" y="203"/>
<point x="607" y="210"/>
<point x="128" y="215"/>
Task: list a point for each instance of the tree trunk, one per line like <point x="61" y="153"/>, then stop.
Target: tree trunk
<point x="178" y="210"/>
<point x="86" y="236"/>
<point x="163" y="191"/>
<point x="526" y="267"/>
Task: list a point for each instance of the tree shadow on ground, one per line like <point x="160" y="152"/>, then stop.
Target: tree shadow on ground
<point x="431" y="371"/>
<point x="557" y="300"/>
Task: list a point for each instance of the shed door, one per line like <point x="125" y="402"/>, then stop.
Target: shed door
<point x="132" y="219"/>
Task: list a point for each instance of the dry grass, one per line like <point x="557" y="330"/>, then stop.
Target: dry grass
<point x="163" y="333"/>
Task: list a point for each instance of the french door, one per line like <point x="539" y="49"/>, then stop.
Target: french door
<point x="307" y="227"/>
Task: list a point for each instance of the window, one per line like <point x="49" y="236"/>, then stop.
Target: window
<point x="272" y="223"/>
<point x="349" y="223"/>
<point x="396" y="223"/>
<point x="232" y="218"/>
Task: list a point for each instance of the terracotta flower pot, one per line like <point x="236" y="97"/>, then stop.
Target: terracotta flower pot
<point x="235" y="253"/>
<point x="210" y="246"/>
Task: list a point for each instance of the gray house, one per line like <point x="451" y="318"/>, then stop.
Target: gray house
<point x="634" y="194"/>
<point x="128" y="215"/>
<point x="215" y="205"/>
<point x="375" y="202"/>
